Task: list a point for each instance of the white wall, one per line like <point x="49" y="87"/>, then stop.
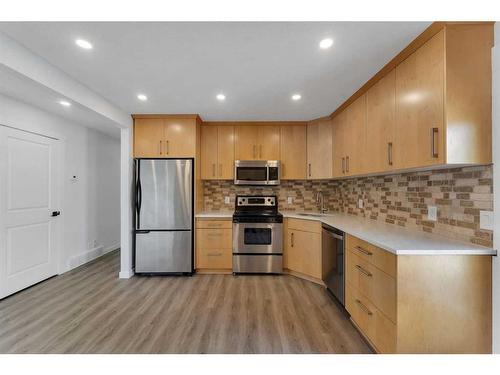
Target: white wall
<point x="91" y="205"/>
<point x="496" y="187"/>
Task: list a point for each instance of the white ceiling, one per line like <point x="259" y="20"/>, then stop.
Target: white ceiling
<point x="182" y="66"/>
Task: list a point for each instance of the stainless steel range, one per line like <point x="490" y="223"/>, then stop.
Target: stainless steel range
<point x="257" y="235"/>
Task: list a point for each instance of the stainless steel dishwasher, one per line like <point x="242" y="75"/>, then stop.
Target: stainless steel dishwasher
<point x="332" y="243"/>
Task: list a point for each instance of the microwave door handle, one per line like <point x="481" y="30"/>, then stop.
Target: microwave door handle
<point x="267" y="174"/>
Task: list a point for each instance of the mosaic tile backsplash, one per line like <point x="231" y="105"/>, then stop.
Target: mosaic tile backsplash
<point x="400" y="199"/>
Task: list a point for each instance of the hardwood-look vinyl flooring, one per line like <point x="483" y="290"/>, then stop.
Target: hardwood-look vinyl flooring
<point x="91" y="310"/>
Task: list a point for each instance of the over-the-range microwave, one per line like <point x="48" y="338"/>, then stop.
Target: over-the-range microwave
<point x="257" y="172"/>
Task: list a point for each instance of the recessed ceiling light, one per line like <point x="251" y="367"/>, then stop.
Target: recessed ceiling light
<point x="326" y="43"/>
<point x="221" y="97"/>
<point x="296" y="97"/>
<point x="83" y="44"/>
<point x="64" y="103"/>
<point x="142" y="97"/>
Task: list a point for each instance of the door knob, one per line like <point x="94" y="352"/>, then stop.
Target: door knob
<point x="56" y="213"/>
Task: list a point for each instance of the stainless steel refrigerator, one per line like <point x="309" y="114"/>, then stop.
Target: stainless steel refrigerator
<point x="164" y="216"/>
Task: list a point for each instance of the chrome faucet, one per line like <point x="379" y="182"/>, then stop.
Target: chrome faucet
<point x="320" y="201"/>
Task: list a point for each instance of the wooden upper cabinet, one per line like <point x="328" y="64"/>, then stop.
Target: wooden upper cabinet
<point x="380" y="124"/>
<point x="339" y="150"/>
<point x="245" y="142"/>
<point x="420" y="106"/>
<point x="319" y="149"/>
<point x="268" y="147"/>
<point x="355" y="137"/>
<point x="209" y="147"/>
<point x="217" y="152"/>
<point x="257" y="142"/>
<point x="225" y="152"/>
<point x="149" y="137"/>
<point x="180" y="138"/>
<point x="165" y="137"/>
<point x="293" y="152"/>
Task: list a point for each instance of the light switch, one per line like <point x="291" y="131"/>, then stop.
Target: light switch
<point x="289" y="200"/>
<point x="227" y="200"/>
<point x="486" y="220"/>
<point x="432" y="213"/>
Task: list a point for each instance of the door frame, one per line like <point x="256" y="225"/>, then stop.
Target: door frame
<point x="60" y="149"/>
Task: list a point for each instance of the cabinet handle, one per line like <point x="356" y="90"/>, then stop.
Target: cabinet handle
<point x="213" y="170"/>
<point x="343" y="165"/>
<point x="220" y="170"/>
<point x="168" y="148"/>
<point x="389" y="152"/>
<point x="434" y="151"/>
<point x="291" y="239"/>
<point x="363" y="307"/>
<point x="260" y="151"/>
<point x="363" y="271"/>
<point x="309" y="169"/>
<point x="214" y="254"/>
<point x="254" y="151"/>
<point x="361" y="250"/>
<point x="160" y="147"/>
<point x="347" y="164"/>
<point x="214" y="225"/>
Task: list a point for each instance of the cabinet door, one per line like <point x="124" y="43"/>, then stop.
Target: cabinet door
<point x="245" y="142"/>
<point x="180" y="138"/>
<point x="209" y="146"/>
<point x="225" y="152"/>
<point x="269" y="142"/>
<point x="319" y="150"/>
<point x="380" y="124"/>
<point x="355" y="137"/>
<point x="293" y="153"/>
<point x="419" y="106"/>
<point x="304" y="253"/>
<point x="148" y="138"/>
<point x="339" y="151"/>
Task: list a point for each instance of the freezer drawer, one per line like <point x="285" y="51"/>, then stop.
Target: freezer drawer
<point x="258" y="263"/>
<point x="163" y="252"/>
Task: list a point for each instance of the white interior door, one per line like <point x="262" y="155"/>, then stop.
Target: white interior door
<point x="28" y="198"/>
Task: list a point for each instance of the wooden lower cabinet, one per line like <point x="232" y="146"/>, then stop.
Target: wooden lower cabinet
<point x="302" y="250"/>
<point x="214" y="242"/>
<point x="419" y="303"/>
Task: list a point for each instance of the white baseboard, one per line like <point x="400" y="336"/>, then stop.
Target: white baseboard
<point x="126" y="274"/>
<point x="87" y="256"/>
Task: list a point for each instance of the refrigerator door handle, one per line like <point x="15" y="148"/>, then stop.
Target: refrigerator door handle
<point x="139" y="196"/>
<point x="142" y="231"/>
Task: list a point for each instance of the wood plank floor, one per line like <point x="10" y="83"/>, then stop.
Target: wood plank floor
<point x="90" y="310"/>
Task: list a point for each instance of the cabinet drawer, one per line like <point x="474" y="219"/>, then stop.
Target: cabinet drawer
<point x="376" y="327"/>
<point x="227" y="223"/>
<point x="305" y="225"/>
<point x="382" y="259"/>
<point x="214" y="238"/>
<point x="213" y="258"/>
<point x="376" y="285"/>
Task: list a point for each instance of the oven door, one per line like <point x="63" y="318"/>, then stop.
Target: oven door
<point x="257" y="238"/>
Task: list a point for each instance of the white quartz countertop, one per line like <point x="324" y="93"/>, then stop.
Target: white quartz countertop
<point x="397" y="240"/>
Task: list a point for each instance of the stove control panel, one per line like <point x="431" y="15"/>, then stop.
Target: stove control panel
<point x="255" y="201"/>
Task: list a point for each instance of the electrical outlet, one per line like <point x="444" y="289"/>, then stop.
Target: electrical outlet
<point x="486" y="220"/>
<point x="227" y="200"/>
<point x="432" y="213"/>
<point x="289" y="200"/>
<point x="361" y="204"/>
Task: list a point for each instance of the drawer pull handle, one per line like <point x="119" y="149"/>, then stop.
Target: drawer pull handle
<point x="214" y="254"/>
<point x="363" y="271"/>
<point x="361" y="250"/>
<point x="363" y="307"/>
<point x="214" y="225"/>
